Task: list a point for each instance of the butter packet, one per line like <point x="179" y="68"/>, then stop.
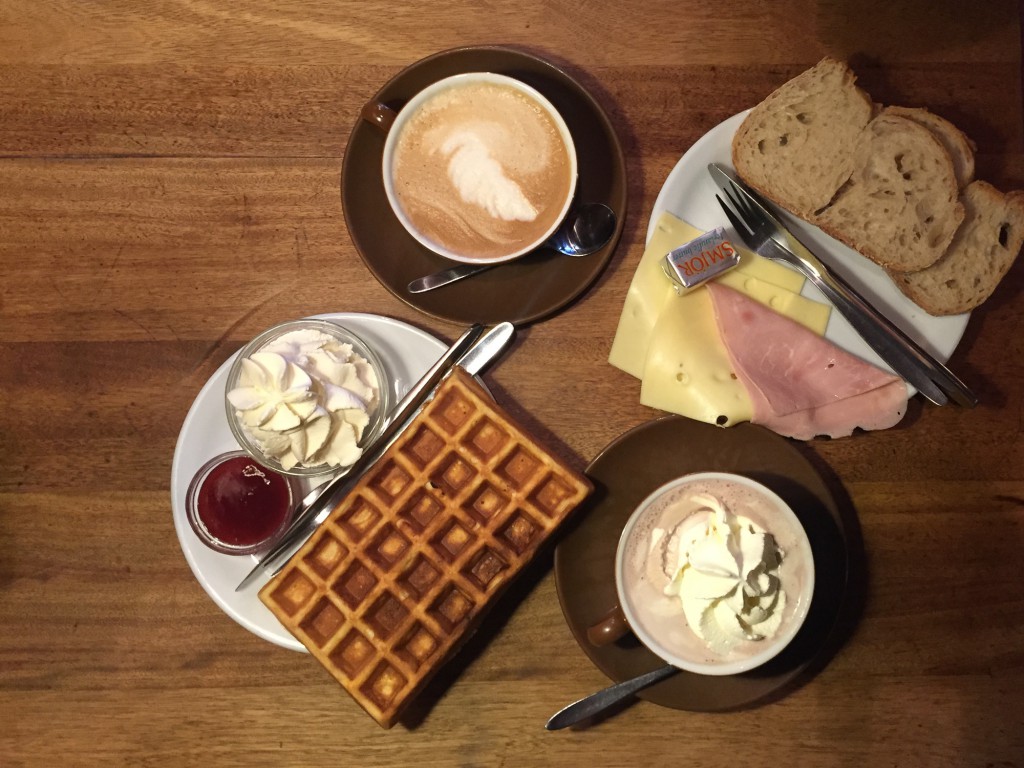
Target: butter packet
<point x="700" y="260"/>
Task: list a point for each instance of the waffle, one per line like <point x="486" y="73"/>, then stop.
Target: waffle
<point x="405" y="567"/>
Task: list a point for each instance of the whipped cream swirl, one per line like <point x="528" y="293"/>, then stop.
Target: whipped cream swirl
<point x="305" y="399"/>
<point x="724" y="569"/>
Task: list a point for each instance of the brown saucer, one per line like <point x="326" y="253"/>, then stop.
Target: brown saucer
<point x="527" y="289"/>
<point x="627" y="471"/>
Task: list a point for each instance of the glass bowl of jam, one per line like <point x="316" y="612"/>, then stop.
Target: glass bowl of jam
<point x="304" y="397"/>
<point x="237" y="506"/>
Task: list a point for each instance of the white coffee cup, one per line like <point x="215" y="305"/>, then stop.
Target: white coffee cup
<point x="652" y="616"/>
<point x="470" y="195"/>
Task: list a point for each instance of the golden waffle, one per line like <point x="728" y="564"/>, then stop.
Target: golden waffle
<point x="405" y="567"/>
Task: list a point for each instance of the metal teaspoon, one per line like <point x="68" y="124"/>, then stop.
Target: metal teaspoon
<point x="585" y="231"/>
<point x="596" y="703"/>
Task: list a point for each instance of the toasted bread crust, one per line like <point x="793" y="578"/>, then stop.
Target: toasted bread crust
<point x="959" y="146"/>
<point x="982" y="252"/>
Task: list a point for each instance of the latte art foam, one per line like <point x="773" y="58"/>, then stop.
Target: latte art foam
<point x="481" y="169"/>
<point x="480" y="178"/>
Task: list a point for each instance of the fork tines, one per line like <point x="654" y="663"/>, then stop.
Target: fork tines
<point x="742" y="229"/>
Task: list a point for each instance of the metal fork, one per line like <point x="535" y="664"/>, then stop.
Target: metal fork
<point x="762" y="232"/>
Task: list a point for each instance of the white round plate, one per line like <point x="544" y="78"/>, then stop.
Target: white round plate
<point x="689" y="193"/>
<point x="406" y="351"/>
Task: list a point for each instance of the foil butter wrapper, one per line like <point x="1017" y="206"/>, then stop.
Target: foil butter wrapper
<point x="702" y="259"/>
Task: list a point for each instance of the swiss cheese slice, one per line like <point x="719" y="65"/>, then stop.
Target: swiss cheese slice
<point x="651" y="289"/>
<point x="672" y="343"/>
<point x="687" y="368"/>
<point x="648" y="293"/>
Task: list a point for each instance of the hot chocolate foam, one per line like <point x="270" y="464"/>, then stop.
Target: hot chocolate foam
<point x="482" y="170"/>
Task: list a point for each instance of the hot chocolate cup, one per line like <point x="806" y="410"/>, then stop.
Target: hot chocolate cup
<point x="477" y="167"/>
<point x="646" y="612"/>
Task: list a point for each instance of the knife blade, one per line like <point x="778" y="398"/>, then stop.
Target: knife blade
<point x="907" y="358"/>
<point x="483" y="349"/>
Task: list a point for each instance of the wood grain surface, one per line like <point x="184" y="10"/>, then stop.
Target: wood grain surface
<point x="169" y="187"/>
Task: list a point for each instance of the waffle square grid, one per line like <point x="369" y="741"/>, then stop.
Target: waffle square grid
<point x="403" y="569"/>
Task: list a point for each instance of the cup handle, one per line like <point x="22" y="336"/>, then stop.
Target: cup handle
<point x="609" y="628"/>
<point x="379" y="115"/>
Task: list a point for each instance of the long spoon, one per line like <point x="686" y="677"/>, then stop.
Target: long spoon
<point x="587" y="230"/>
<point x="596" y="703"/>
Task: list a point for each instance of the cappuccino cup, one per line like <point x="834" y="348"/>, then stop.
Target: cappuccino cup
<point x="714" y="574"/>
<point x="477" y="167"/>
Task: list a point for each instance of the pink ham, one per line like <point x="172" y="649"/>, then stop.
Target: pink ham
<point x="802" y="385"/>
<point x="879" y="408"/>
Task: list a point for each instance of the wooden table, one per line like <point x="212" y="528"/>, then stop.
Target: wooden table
<point x="169" y="187"/>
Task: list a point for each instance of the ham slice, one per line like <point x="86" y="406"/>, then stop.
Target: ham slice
<point x="879" y="408"/>
<point x="801" y="384"/>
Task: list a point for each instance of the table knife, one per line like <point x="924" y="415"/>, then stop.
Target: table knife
<point x="473" y="350"/>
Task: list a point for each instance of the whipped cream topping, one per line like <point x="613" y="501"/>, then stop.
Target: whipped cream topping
<point x="305" y="399"/>
<point x="724" y="569"/>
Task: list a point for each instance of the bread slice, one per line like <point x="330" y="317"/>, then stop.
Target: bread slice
<point x="900" y="205"/>
<point x="958" y="145"/>
<point x="981" y="253"/>
<point x="894" y="183"/>
<point x="794" y="147"/>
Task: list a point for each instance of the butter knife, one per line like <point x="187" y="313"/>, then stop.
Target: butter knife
<point x="473" y="351"/>
<point x="767" y="235"/>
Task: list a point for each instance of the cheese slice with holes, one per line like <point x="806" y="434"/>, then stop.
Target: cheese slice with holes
<point x="650" y="291"/>
<point x="671" y="342"/>
<point x="687" y="369"/>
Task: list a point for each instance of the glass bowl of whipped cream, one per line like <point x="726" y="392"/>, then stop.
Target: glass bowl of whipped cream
<point x="305" y="397"/>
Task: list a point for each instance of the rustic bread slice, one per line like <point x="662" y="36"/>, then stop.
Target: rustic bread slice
<point x="957" y="144"/>
<point x="794" y="147"/>
<point x="980" y="255"/>
<point x="900" y="205"/>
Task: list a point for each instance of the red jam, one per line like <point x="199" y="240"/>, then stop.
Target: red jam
<point x="242" y="504"/>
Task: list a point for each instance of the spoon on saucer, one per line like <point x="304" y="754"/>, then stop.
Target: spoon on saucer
<point x="596" y="703"/>
<point x="587" y="230"/>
